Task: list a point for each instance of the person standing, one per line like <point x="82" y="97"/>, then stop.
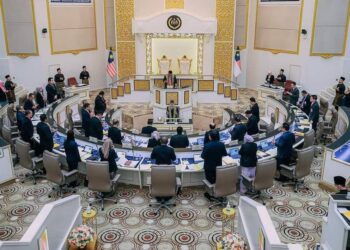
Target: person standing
<point x="72" y="151"/>
<point x="339" y="92"/>
<point x="285" y="149"/>
<point x="281" y="78"/>
<point x="179" y="140"/>
<point x="149" y="129"/>
<point x="84" y="76"/>
<point x="293" y="94"/>
<point x="29" y="103"/>
<point x="254" y="108"/>
<point x="27" y="131"/>
<point x="45" y="134"/>
<point x="10" y="88"/>
<point x="107" y="153"/>
<point x="85" y="118"/>
<point x="212" y="126"/>
<point x="51" y="90"/>
<point x="100" y="103"/>
<point x="95" y="127"/>
<point x="163" y="154"/>
<point x="238" y="131"/>
<point x="248" y="160"/>
<point x="115" y="133"/>
<point x="305" y="103"/>
<point x="20" y="117"/>
<point x="314" y="112"/>
<point x="252" y="124"/>
<point x="59" y="80"/>
<point x="170" y="80"/>
<point x="39" y="98"/>
<point x="154" y="141"/>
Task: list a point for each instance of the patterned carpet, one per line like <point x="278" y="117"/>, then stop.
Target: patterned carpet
<point x="130" y="224"/>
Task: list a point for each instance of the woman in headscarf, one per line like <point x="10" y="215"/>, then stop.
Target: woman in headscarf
<point x="107" y="153"/>
<point x="154" y="140"/>
<point x="248" y="159"/>
<point x="39" y="98"/>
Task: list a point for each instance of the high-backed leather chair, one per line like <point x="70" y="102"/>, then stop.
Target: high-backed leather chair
<point x="302" y="168"/>
<point x="72" y="81"/>
<point x="309" y="138"/>
<point x="28" y="160"/>
<point x="164" y="184"/>
<point x="9" y="137"/>
<point x="55" y="174"/>
<point x="264" y="176"/>
<point x="225" y="185"/>
<point x="100" y="181"/>
<point x="324" y="104"/>
<point x="22" y="99"/>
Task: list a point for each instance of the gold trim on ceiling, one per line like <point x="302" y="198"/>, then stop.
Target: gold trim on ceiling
<point x="328" y="55"/>
<point x="20" y="55"/>
<point x="278" y="51"/>
<point x="174" y="4"/>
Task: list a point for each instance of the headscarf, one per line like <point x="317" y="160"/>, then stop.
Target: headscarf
<point x="248" y="138"/>
<point x="107" y="145"/>
<point x="155" y="135"/>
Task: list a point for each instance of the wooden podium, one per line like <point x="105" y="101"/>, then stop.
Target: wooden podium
<point x="182" y="98"/>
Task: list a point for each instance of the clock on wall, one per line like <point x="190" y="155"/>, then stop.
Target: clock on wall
<point x="174" y="22"/>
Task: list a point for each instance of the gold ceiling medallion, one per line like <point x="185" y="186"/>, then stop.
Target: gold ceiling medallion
<point x="174" y="22"/>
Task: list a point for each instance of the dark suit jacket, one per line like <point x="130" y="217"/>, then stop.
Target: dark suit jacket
<point x="306" y="104"/>
<point x="111" y="159"/>
<point x="238" y="132"/>
<point x="255" y="111"/>
<point x="248" y="154"/>
<point x="179" y="141"/>
<point x="206" y="136"/>
<point x="281" y="78"/>
<point x="314" y="112"/>
<point x="163" y="155"/>
<point x="293" y="99"/>
<point x="46" y="137"/>
<point x="272" y="79"/>
<point x="39" y="99"/>
<point x="85" y="121"/>
<point x="148" y="130"/>
<point x="27" y="130"/>
<point x="153" y="143"/>
<point x="212" y="155"/>
<point x="72" y="154"/>
<point x="252" y="126"/>
<point x="115" y="134"/>
<point x="20" y="119"/>
<point x="95" y="128"/>
<point x="51" y="91"/>
<point x="100" y="104"/>
<point x="284" y="145"/>
<point x="29" y="105"/>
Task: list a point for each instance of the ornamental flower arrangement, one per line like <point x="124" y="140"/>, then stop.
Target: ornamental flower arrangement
<point x="81" y="236"/>
<point x="233" y="241"/>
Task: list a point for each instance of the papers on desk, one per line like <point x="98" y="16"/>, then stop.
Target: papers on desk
<point x="83" y="154"/>
<point x="298" y="133"/>
<point x="305" y="122"/>
<point x="125" y="162"/>
<point x="261" y="154"/>
<point x="227" y="160"/>
<point x="272" y="151"/>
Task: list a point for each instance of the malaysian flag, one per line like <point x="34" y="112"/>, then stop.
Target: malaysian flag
<point x="111" y="70"/>
<point x="237" y="70"/>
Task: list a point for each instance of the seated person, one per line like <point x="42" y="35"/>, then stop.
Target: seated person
<point x="154" y="141"/>
<point x="340" y="183"/>
<point x="281" y="78"/>
<point x="238" y="131"/>
<point x="179" y="140"/>
<point x="148" y="130"/>
<point x="252" y="124"/>
<point x="212" y="155"/>
<point x="206" y="136"/>
<point x="172" y="111"/>
<point x="163" y="154"/>
<point x="107" y="153"/>
<point x="115" y="133"/>
<point x="269" y="78"/>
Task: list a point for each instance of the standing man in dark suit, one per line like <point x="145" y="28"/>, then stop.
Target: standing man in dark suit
<point x="59" y="80"/>
<point x="285" y="149"/>
<point x="51" y="90"/>
<point x="20" y="116"/>
<point x="293" y="94"/>
<point x="179" y="140"/>
<point x="95" y="128"/>
<point x="100" y="103"/>
<point x="163" y="154"/>
<point x="339" y="92"/>
<point x="252" y="124"/>
<point x="149" y="129"/>
<point x="281" y="78"/>
<point x="115" y="133"/>
<point x="314" y="112"/>
<point x="212" y="155"/>
<point x="10" y="87"/>
<point x="84" y="76"/>
<point x="85" y="118"/>
<point x="254" y="108"/>
<point x="305" y="103"/>
<point x="27" y="131"/>
<point x="212" y="126"/>
<point x="45" y="134"/>
<point x="29" y="103"/>
<point x="238" y="131"/>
